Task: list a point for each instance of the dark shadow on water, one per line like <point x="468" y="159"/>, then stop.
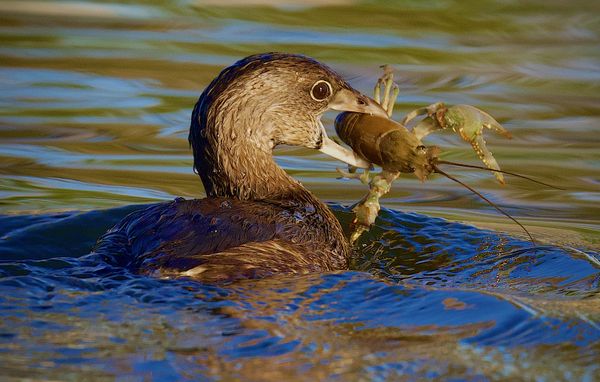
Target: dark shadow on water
<point x="71" y="234"/>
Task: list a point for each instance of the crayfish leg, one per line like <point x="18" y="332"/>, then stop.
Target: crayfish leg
<point x="425" y="127"/>
<point x="427" y="110"/>
<point x="353" y="173"/>
<point x="390" y="90"/>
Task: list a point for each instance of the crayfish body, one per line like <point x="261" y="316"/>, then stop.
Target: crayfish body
<point x="386" y="143"/>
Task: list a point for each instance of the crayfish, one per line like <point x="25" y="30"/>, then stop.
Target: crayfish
<point x="398" y="149"/>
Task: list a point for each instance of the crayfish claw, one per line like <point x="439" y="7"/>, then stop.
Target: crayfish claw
<point x="468" y="121"/>
<point x="480" y="147"/>
<point x="472" y="120"/>
<point x="492" y="124"/>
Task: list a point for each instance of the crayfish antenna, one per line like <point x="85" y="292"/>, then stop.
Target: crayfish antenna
<point x="502" y="171"/>
<point x="437" y="169"/>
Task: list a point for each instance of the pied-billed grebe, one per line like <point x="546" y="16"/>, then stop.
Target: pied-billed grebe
<point x="256" y="219"/>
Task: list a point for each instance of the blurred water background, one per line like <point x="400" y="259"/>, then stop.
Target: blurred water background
<point x="95" y="104"/>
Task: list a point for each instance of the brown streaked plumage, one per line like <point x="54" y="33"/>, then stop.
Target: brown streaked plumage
<point x="256" y="220"/>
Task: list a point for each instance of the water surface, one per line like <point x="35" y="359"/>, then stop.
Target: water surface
<point x="95" y="103"/>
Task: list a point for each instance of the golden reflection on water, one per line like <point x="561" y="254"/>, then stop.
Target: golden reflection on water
<point x="327" y="347"/>
<point x="296" y="312"/>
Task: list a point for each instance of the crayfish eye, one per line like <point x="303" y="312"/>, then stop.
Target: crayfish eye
<point x="321" y="90"/>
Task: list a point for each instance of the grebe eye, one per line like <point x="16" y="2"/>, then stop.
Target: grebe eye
<point x="321" y="90"/>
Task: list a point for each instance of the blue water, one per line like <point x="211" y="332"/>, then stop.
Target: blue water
<point x="425" y="298"/>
